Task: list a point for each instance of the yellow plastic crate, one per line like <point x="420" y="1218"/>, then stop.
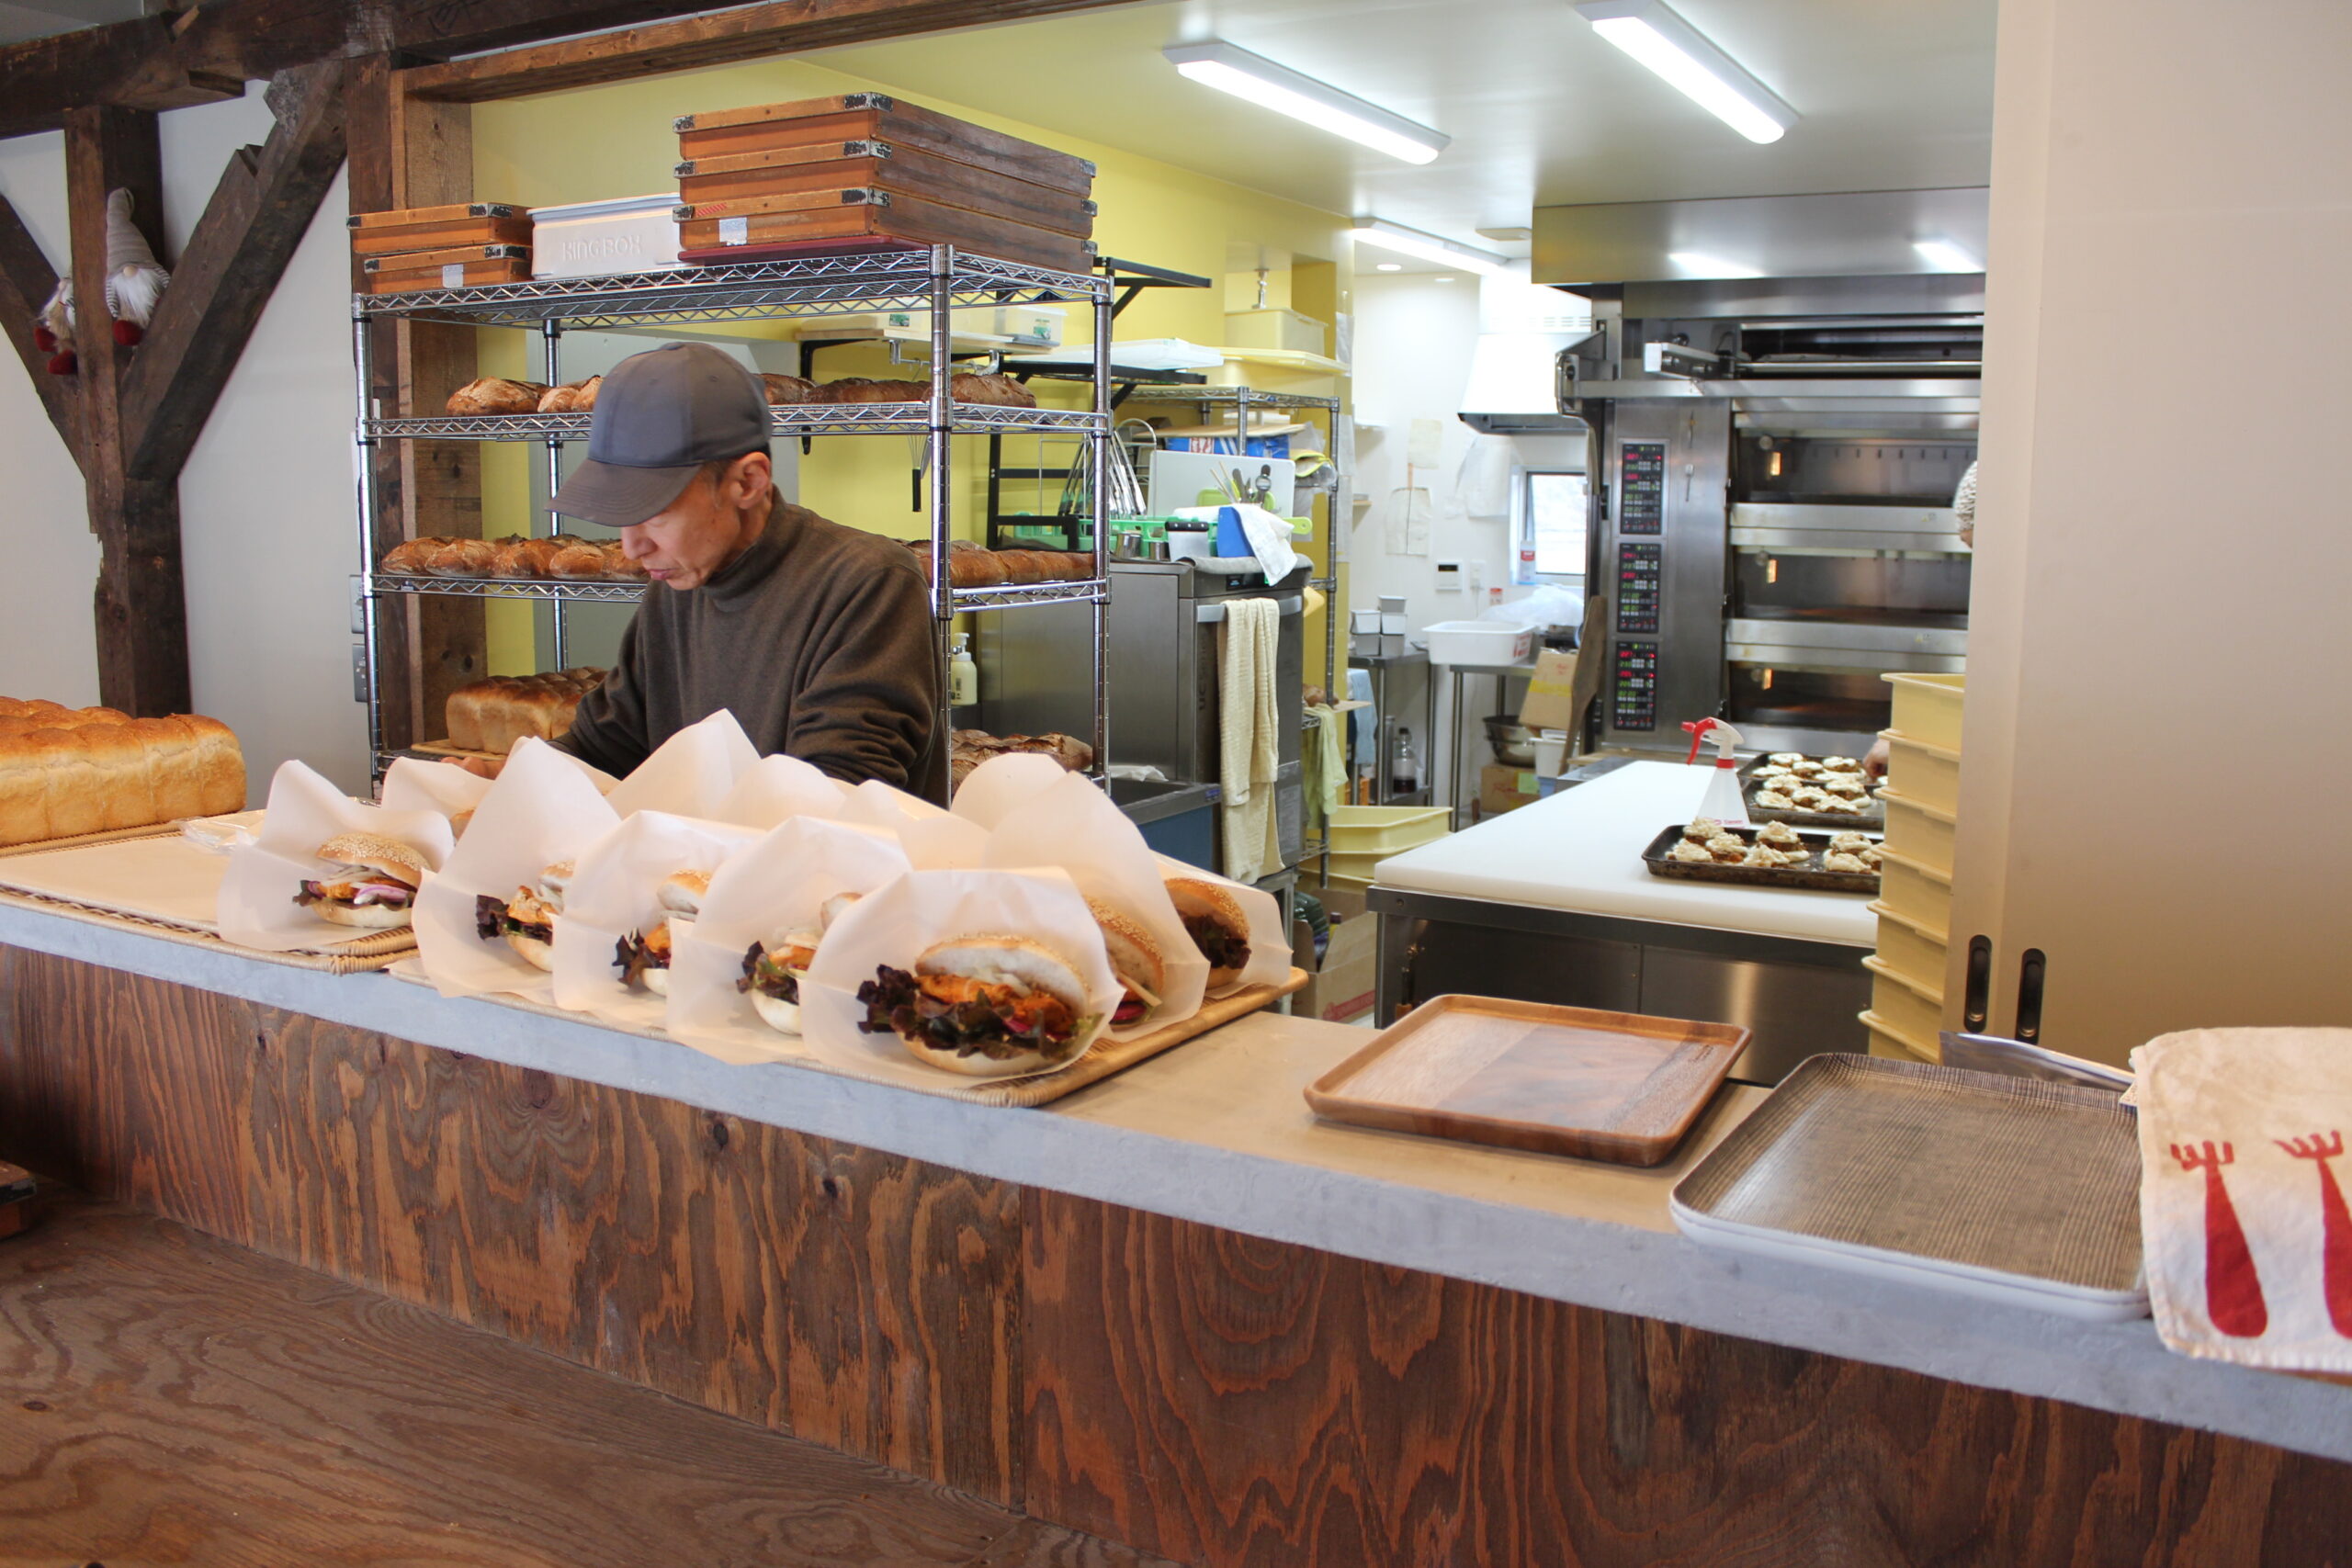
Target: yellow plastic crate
<point x="1926" y="707"/>
<point x="1921" y="832"/>
<point x="1386" y="830"/>
<point x="1928" y="774"/>
<point x="1915" y="1011"/>
<point x="1920" y="893"/>
<point x="1886" y="1042"/>
<point x="1909" y="948"/>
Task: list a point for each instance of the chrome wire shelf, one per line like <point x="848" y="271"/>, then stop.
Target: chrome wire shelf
<point x="1231" y="397"/>
<point x="579" y="592"/>
<point x="814" y="286"/>
<point x="797" y="419"/>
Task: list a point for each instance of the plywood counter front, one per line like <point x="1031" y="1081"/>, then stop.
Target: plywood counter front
<point x="1172" y="1308"/>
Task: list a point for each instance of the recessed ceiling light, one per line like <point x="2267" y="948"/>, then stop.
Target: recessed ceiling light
<point x="1653" y="34"/>
<point x="1506" y="236"/>
<point x="1698" y="264"/>
<point x="1407" y="242"/>
<point x="1388" y="266"/>
<point x="1945" y="256"/>
<point x="1442" y="277"/>
<point x="1228" y="67"/>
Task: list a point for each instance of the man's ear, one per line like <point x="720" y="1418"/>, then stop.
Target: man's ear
<point x="748" y="479"/>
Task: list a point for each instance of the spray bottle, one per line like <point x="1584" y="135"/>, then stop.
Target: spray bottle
<point x="1723" y="801"/>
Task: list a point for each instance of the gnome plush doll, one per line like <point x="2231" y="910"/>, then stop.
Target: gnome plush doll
<point x="53" y="333"/>
<point x="135" y="280"/>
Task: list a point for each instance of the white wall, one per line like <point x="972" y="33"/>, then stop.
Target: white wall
<point x="266" y="510"/>
<point x="1413" y="342"/>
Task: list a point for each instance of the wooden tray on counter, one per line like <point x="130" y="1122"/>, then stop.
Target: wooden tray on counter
<point x="1808" y="875"/>
<point x="1609" y="1086"/>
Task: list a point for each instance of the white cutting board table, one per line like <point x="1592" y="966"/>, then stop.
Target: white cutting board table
<point x="1581" y="850"/>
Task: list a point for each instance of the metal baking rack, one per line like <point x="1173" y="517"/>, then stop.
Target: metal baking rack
<point x="935" y="282"/>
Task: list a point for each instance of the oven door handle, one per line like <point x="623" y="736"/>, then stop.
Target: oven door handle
<point x="1208" y="614"/>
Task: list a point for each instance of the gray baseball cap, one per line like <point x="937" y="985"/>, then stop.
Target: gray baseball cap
<point x="660" y="416"/>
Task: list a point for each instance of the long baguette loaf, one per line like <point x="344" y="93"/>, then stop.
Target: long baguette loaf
<point x="65" y="773"/>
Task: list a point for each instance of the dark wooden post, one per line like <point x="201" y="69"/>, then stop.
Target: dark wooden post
<point x="140" y="605"/>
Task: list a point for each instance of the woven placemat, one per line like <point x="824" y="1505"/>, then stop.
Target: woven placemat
<point x="1037" y="1089"/>
<point x="115" y="835"/>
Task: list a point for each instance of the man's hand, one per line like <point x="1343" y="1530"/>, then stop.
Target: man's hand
<point x="483" y="768"/>
<point x="1875" y="763"/>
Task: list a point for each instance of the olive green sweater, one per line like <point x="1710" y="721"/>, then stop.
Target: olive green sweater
<point x="818" y="638"/>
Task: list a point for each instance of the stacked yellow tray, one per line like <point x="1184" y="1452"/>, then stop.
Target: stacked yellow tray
<point x="1914" y="907"/>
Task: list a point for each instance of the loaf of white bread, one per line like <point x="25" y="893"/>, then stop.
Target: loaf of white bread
<point x="491" y="716"/>
<point x="66" y="771"/>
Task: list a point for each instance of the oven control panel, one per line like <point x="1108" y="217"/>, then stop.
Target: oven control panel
<point x="1634" y="691"/>
<point x="1641" y="487"/>
<point x="1641" y="566"/>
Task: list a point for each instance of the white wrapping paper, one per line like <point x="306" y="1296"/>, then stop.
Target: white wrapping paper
<point x="1002" y="783"/>
<point x="544" y="807"/>
<point x="256" y="906"/>
<point x="933" y="839"/>
<point x="1073" y="824"/>
<point x="778" y="789"/>
<point x="1269" y="942"/>
<point x="615" y="893"/>
<point x="894" y="924"/>
<point x="691" y="773"/>
<point x="413" y="786"/>
<point x="775" y="886"/>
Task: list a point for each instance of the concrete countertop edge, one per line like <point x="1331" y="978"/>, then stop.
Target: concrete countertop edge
<point x="1604" y="1264"/>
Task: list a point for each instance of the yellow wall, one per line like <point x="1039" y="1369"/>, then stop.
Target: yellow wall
<point x="605" y="142"/>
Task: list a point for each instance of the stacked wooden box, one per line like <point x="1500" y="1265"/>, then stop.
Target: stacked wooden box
<point x="464" y="245"/>
<point x="866" y="171"/>
<point x="1914" y="908"/>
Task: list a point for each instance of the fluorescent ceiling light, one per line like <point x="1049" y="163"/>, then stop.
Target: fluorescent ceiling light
<point x="1653" y="34"/>
<point x="1698" y="264"/>
<point x="1945" y="256"/>
<point x="1231" y="69"/>
<point x="1427" y="247"/>
<point x="1388" y="266"/>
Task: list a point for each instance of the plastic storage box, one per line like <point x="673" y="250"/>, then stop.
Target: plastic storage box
<point x="1920" y="831"/>
<point x="1885" y="1041"/>
<point x="1920" y="893"/>
<point x="599" y="239"/>
<point x="1386" y="830"/>
<point x="1277" y="328"/>
<point x="1926" y="707"/>
<point x="1923" y="774"/>
<point x="1914" y="1011"/>
<point x="1480" y="642"/>
<point x="1909" y="948"/>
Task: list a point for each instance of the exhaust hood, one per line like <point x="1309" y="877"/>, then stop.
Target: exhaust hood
<point x="1513" y="388"/>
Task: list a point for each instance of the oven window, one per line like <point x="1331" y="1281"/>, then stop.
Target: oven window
<point x="1552" y="523"/>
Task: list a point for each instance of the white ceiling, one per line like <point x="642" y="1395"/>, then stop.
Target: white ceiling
<point x="1894" y="94"/>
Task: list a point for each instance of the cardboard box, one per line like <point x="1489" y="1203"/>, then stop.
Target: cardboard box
<point x="1548" y="704"/>
<point x="1341" y="989"/>
<point x="1502" y="788"/>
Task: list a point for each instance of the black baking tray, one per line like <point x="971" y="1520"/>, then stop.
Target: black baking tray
<point x="1808" y="875"/>
<point x="1871" y="819"/>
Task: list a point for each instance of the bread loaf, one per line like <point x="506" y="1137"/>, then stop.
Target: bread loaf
<point x="1001" y="391"/>
<point x="618" y="567"/>
<point x="783" y="391"/>
<point x="511" y="557"/>
<point x="572" y="397"/>
<point x="577" y="562"/>
<point x="494" y="394"/>
<point x="492" y="715"/>
<point x="973" y="747"/>
<point x="65" y="773"/>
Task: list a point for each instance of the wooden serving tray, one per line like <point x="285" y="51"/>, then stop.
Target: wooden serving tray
<point x="1808" y="875"/>
<point x="876" y="117"/>
<point x="1609" y="1086"/>
<point x="902" y="172"/>
<point x="455" y="275"/>
<point x="436" y="228"/>
<point x="871" y="215"/>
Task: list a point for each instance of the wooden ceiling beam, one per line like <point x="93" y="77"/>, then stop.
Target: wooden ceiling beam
<point x="238" y="249"/>
<point x="26" y="282"/>
<point x="716" y="38"/>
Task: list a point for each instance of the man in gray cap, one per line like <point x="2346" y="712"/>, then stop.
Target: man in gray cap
<point x="817" y="638"/>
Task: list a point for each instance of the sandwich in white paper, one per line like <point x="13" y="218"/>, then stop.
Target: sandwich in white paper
<point x="618" y="910"/>
<point x="413" y="786"/>
<point x="934" y="840"/>
<point x="538" y="820"/>
<point x="736" y="970"/>
<point x="1002" y="783"/>
<point x="778" y="789"/>
<point x="1220" y="914"/>
<point x="691" y="773"/>
<point x="1073" y="824"/>
<point x="325" y="868"/>
<point x="905" y="955"/>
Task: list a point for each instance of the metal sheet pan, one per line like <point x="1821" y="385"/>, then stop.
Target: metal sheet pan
<point x="1809" y="875"/>
<point x="1871" y="820"/>
<point x="1998" y="1187"/>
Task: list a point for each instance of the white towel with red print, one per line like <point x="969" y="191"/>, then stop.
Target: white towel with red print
<point x="2243" y="1177"/>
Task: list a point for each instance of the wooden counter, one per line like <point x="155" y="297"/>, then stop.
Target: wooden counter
<point x="1173" y="1310"/>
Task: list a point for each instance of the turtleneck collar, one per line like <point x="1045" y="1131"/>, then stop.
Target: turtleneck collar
<point x="747" y="574"/>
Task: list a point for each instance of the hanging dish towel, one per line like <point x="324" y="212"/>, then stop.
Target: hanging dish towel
<point x="2243" y="1181"/>
<point x="1323" y="766"/>
<point x="1248" y="735"/>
